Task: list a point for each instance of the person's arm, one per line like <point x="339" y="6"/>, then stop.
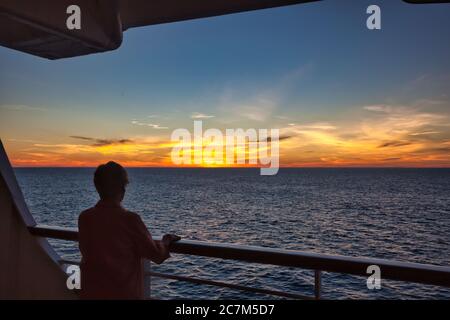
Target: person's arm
<point x="162" y="252"/>
<point x="154" y="250"/>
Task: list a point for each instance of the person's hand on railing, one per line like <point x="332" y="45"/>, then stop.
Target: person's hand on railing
<point x="164" y="247"/>
<point x="169" y="238"/>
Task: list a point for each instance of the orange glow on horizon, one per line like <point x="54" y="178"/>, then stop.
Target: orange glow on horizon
<point x="327" y="153"/>
<point x="382" y="137"/>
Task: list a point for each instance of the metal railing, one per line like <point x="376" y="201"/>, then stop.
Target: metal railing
<point x="393" y="270"/>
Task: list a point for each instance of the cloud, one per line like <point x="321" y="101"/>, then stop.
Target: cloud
<point x="315" y="129"/>
<point x="156" y="126"/>
<point x="284" y="137"/>
<point x="82" y="138"/>
<point x="260" y="105"/>
<point x="316" y="126"/>
<point x="21" y="107"/>
<point x="257" y="109"/>
<point x="145" y="124"/>
<point x="423" y="133"/>
<point x="198" y="115"/>
<point x="429" y="102"/>
<point x="253" y="112"/>
<point x="103" y="142"/>
<point x="139" y="151"/>
<point x="280" y="138"/>
<point x="24" y="140"/>
<point x="444" y="150"/>
<point x="394" y="144"/>
<point x="397" y="135"/>
<point x="378" y="108"/>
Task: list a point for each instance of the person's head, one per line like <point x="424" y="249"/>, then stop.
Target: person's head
<point x="110" y="180"/>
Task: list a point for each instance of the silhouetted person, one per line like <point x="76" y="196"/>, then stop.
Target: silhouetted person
<point x="113" y="241"/>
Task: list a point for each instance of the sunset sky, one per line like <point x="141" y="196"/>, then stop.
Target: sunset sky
<point x="340" y="94"/>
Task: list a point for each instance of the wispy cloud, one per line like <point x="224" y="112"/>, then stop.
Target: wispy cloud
<point x="198" y="115"/>
<point x="156" y="126"/>
<point x="387" y="135"/>
<point x="103" y="142"/>
<point x="317" y="126"/>
<point x="258" y="108"/>
<point x="423" y="133"/>
<point x="394" y="144"/>
<point x="378" y="108"/>
<point x="261" y="105"/>
<point x="139" y="151"/>
<point x="146" y="124"/>
<point x="21" y="107"/>
<point x="82" y="138"/>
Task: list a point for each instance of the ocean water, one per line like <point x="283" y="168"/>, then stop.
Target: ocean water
<point x="401" y="214"/>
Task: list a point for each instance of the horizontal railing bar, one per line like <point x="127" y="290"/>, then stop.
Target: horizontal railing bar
<point x="70" y="234"/>
<point x="394" y="270"/>
<point x="229" y="285"/>
<point x="63" y="261"/>
<point x="213" y="283"/>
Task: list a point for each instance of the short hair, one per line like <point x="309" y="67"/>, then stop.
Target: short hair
<point x="110" y="179"/>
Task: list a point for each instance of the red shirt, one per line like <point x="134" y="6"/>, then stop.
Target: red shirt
<point x="113" y="242"/>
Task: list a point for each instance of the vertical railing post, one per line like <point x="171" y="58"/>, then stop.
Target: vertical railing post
<point x="317" y="283"/>
<point x="147" y="279"/>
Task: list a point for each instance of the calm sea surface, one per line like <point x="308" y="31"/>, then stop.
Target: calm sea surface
<point x="401" y="214"/>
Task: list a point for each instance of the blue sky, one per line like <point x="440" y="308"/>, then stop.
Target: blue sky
<point x="301" y="64"/>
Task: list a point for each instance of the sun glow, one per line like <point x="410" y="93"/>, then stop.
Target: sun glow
<point x="383" y="136"/>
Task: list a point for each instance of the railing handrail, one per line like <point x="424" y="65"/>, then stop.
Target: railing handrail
<point x="394" y="270"/>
